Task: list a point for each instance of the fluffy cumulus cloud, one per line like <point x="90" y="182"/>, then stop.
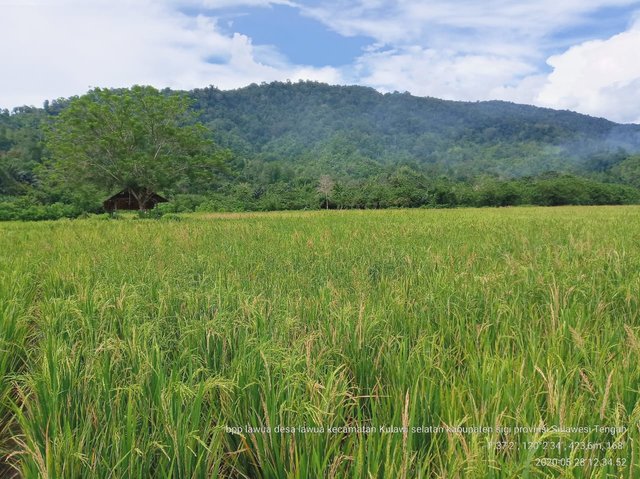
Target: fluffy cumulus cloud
<point x="599" y="77"/>
<point x="444" y="74"/>
<point x="56" y="48"/>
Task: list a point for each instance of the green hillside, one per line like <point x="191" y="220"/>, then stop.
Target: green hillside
<point x="378" y="150"/>
<point x="355" y="130"/>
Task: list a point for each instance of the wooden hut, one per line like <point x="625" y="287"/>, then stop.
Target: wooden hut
<point x="125" y="200"/>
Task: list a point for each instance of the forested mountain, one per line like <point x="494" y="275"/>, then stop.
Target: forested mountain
<point x="353" y="131"/>
<point x="375" y="150"/>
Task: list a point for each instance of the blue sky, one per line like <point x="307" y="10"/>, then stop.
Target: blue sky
<point x="299" y="38"/>
<point x="581" y="55"/>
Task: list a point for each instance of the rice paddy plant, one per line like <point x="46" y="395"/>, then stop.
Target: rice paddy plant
<point x="323" y="344"/>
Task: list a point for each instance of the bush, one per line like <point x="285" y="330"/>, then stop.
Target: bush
<point x="182" y="204"/>
<point x="21" y="210"/>
<point x="8" y="211"/>
<point x="219" y="203"/>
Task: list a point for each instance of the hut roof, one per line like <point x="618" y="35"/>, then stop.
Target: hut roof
<point x="126" y="193"/>
<point x="126" y="200"/>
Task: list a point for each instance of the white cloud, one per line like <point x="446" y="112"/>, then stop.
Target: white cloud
<point x="443" y="74"/>
<point x="410" y="21"/>
<point x="213" y="4"/>
<point x="56" y="48"/>
<point x="599" y="77"/>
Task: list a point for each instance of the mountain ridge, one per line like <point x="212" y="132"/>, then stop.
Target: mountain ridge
<point x="285" y="121"/>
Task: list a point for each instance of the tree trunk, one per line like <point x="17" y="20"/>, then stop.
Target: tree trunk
<point x="141" y="197"/>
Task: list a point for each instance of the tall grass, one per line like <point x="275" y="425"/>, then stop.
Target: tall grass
<point x="140" y="348"/>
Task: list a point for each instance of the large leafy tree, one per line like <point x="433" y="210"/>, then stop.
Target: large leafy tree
<point x="138" y="138"/>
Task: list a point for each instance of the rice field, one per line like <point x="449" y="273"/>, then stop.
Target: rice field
<point x="486" y="343"/>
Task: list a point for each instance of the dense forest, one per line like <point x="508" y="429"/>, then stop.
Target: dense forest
<point x="311" y="145"/>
